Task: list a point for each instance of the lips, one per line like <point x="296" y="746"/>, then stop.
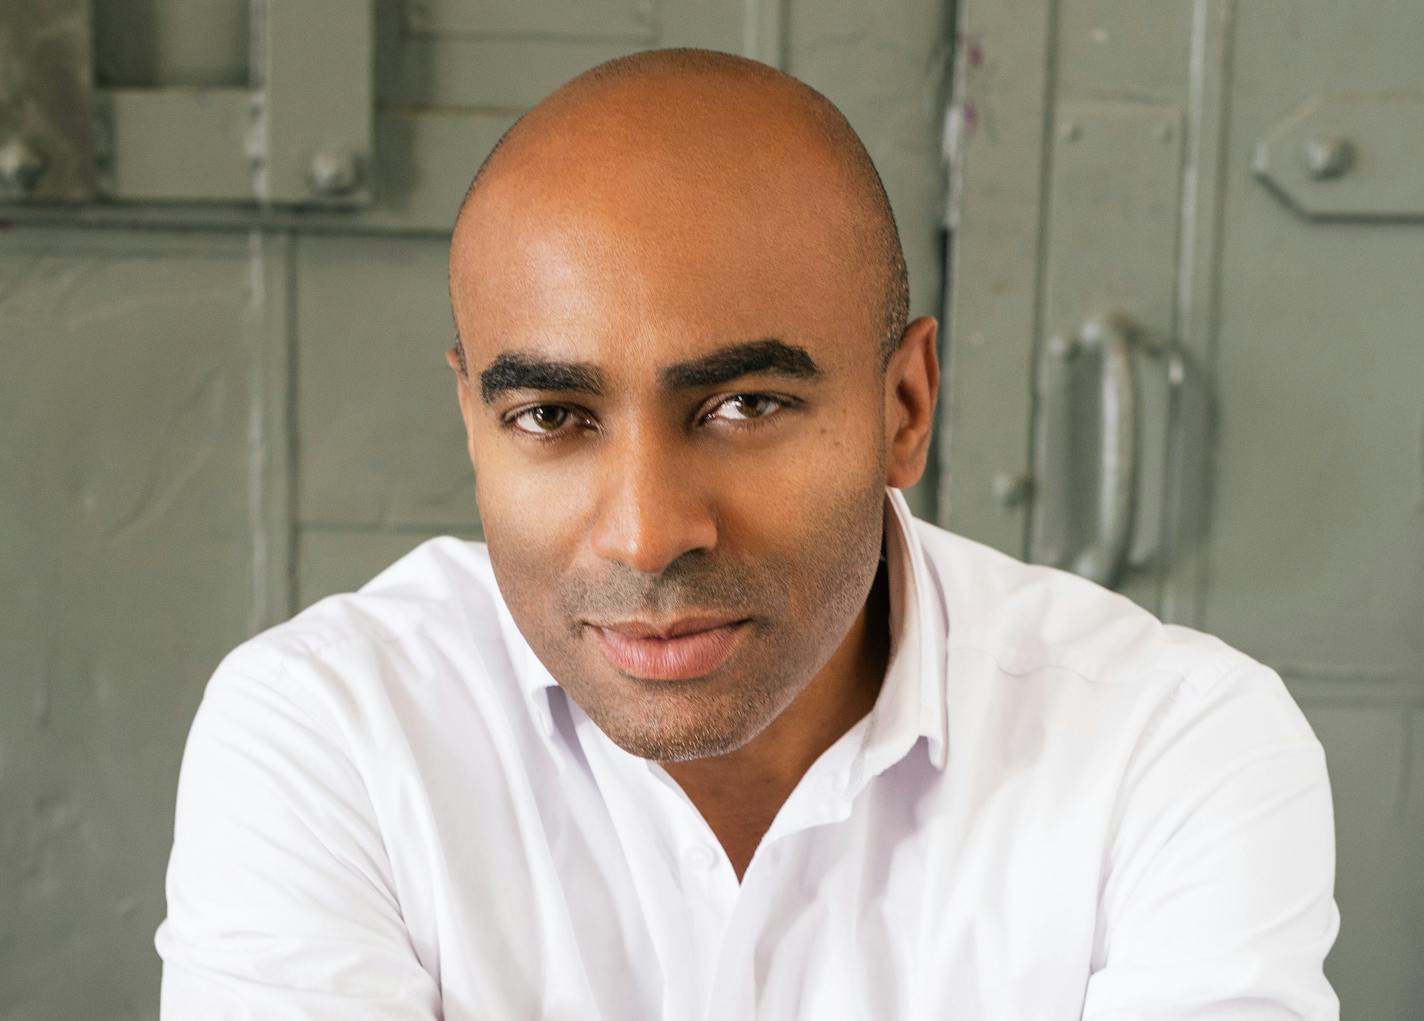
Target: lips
<point x="679" y="651"/>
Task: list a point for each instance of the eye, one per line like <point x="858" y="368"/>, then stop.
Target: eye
<point x="540" y="420"/>
<point x="744" y="407"/>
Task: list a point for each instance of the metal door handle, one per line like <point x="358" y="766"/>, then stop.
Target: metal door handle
<point x="1102" y="559"/>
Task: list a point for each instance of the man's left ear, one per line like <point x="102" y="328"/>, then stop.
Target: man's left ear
<point x="911" y="386"/>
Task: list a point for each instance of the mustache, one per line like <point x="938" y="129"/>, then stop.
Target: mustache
<point x="684" y="585"/>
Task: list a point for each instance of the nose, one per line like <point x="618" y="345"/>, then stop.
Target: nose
<point x="652" y="506"/>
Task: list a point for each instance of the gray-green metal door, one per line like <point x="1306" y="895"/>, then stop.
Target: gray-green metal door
<point x="1223" y="200"/>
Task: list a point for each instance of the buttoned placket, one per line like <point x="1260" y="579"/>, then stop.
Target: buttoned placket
<point x="821" y="798"/>
<point x="696" y="911"/>
<point x="681" y="875"/>
<point x="693" y="902"/>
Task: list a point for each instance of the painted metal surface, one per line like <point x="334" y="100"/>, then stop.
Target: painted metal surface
<point x="45" y="79"/>
<point x="1109" y="248"/>
<point x="133" y="547"/>
<point x="168" y="43"/>
<point x="216" y="410"/>
<point x="177" y="144"/>
<point x="994" y="140"/>
<point x="398" y="462"/>
<point x="1291" y="438"/>
<point x="1347" y="157"/>
<point x="1114" y="529"/>
<point x="302" y="133"/>
<point x="631" y="21"/>
<point x="315" y="75"/>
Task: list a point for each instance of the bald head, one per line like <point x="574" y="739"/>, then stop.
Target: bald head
<point x="675" y="282"/>
<point x="702" y="123"/>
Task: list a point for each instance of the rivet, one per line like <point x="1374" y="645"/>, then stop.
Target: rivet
<point x="333" y="172"/>
<point x="1163" y="131"/>
<point x="1069" y="131"/>
<point x="1328" y="158"/>
<point x="21" y="167"/>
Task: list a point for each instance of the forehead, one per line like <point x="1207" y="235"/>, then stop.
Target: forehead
<point x="659" y="248"/>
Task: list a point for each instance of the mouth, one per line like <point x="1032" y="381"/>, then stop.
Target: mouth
<point x="677" y="651"/>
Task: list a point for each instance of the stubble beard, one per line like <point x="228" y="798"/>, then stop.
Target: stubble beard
<point x="682" y="720"/>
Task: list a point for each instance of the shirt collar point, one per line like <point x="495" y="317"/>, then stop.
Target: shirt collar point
<point x="921" y="622"/>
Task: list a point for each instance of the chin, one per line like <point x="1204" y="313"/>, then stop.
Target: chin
<point x="698" y="728"/>
<point x="677" y="746"/>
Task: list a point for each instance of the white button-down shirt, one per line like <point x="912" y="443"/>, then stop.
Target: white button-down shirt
<point x="1058" y="808"/>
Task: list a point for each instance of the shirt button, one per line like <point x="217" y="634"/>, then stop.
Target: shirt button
<point x="700" y="857"/>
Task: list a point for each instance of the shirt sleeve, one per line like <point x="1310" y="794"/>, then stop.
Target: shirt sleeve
<point x="1217" y="900"/>
<point x="280" y="905"/>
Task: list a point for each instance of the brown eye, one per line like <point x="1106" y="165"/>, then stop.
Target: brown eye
<point x="543" y="418"/>
<point x="740" y="407"/>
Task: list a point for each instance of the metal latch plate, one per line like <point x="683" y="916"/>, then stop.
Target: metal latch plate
<point x="1347" y="157"/>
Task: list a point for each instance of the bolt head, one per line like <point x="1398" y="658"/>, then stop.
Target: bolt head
<point x="1328" y="158"/>
<point x="333" y="172"/>
<point x="21" y="166"/>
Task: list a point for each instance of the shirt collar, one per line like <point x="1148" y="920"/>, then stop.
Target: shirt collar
<point x="911" y="703"/>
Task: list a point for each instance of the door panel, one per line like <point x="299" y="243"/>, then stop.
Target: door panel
<point x="1290" y="494"/>
<point x="1315" y="558"/>
<point x="135" y="529"/>
<point x="1319" y="367"/>
<point x="375" y="316"/>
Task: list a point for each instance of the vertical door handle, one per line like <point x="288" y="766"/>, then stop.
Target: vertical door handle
<point x="1102" y="558"/>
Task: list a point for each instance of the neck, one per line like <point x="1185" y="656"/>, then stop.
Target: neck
<point x="740" y="793"/>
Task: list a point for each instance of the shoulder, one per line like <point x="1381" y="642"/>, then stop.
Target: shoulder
<point x="1175" y="770"/>
<point x="1030" y="616"/>
<point x="1032" y="619"/>
<point x="1026" y="640"/>
<point x="440" y="596"/>
<point x="427" y="640"/>
<point x="345" y="723"/>
<point x="434" y="587"/>
<point x="295" y="821"/>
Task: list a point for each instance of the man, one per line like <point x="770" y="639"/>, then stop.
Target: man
<point x="712" y="727"/>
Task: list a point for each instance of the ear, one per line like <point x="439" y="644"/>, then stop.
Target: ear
<point x="454" y="358"/>
<point x="911" y="388"/>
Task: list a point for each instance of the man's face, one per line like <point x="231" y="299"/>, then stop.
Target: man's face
<point x="677" y="423"/>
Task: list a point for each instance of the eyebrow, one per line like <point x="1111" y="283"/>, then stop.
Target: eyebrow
<point x="516" y="371"/>
<point x="767" y="355"/>
<point x="510" y="371"/>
